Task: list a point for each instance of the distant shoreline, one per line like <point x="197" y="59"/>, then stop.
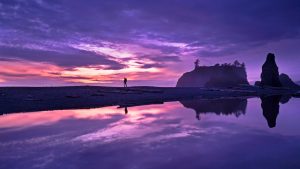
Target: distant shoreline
<point x="30" y="99"/>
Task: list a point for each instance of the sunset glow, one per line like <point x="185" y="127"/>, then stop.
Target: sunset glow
<point x="67" y="44"/>
<point x="140" y="84"/>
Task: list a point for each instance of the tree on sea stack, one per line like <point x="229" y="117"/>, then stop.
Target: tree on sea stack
<point x="236" y="63"/>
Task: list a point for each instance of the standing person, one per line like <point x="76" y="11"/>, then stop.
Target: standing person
<point x="196" y="63"/>
<point x="125" y="82"/>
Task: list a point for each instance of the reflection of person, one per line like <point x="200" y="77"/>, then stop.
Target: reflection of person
<point x="198" y="116"/>
<point x="126" y="110"/>
<point x="125" y="82"/>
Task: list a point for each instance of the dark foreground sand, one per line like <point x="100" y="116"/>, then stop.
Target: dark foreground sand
<point x="28" y="99"/>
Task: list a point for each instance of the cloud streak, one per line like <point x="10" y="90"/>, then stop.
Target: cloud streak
<point x="123" y="37"/>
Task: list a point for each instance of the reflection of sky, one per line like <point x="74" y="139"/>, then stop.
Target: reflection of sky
<point x="154" y="136"/>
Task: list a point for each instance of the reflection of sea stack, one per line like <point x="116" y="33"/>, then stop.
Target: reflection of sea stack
<point x="225" y="75"/>
<point x="270" y="106"/>
<point x="234" y="106"/>
<point x="270" y="74"/>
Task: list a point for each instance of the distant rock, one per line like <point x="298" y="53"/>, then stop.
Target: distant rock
<point x="286" y="81"/>
<point x="257" y="83"/>
<point x="270" y="74"/>
<point x="225" y="75"/>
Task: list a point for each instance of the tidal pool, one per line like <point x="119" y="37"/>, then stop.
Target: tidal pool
<point x="212" y="134"/>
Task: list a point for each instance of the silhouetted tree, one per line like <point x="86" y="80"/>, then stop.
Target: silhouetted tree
<point x="236" y="63"/>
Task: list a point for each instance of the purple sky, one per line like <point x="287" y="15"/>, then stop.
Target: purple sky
<point x="98" y="42"/>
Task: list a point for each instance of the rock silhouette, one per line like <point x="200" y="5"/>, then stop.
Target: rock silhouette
<point x="270" y="74"/>
<point x="285" y="99"/>
<point x="257" y="83"/>
<point x="270" y="106"/>
<point x="287" y="82"/>
<point x="225" y="75"/>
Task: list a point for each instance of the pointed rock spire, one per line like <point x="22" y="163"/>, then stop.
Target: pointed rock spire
<point x="270" y="74"/>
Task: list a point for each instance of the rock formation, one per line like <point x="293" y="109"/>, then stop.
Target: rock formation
<point x="225" y="75"/>
<point x="287" y="82"/>
<point x="270" y="74"/>
<point x="257" y="83"/>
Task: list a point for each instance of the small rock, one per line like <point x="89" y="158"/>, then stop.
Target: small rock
<point x="286" y="81"/>
<point x="73" y="96"/>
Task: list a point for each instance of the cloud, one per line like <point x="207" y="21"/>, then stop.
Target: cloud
<point x="70" y="58"/>
<point x="166" y="59"/>
<point x="232" y="25"/>
<point x="206" y="22"/>
<point x="133" y="35"/>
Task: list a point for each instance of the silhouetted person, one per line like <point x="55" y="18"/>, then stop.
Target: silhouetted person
<point x="126" y="110"/>
<point x="196" y="63"/>
<point x="270" y="106"/>
<point x="125" y="82"/>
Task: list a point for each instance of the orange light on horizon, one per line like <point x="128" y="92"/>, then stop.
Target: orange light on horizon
<point x="134" y="69"/>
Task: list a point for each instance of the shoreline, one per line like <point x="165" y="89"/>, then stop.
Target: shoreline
<point x="31" y="99"/>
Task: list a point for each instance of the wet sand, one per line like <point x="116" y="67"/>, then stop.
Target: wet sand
<point x="29" y="99"/>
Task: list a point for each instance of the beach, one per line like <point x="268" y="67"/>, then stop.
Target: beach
<point x="29" y="99"/>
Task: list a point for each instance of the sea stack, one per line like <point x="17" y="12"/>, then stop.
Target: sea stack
<point x="224" y="75"/>
<point x="270" y="74"/>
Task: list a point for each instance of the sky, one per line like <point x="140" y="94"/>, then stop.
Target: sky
<point x="151" y="42"/>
